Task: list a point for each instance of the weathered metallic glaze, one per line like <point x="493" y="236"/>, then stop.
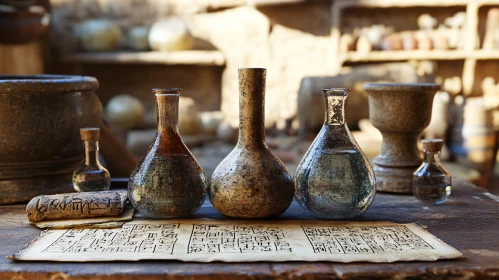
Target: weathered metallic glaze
<point x="251" y="182"/>
<point x="40" y="146"/>
<point x="168" y="182"/>
<point x="401" y="112"/>
<point x="334" y="180"/>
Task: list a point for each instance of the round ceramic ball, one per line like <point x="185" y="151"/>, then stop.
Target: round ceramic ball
<point x="125" y="111"/>
<point x="170" y="35"/>
<point x="99" y="35"/>
<point x="138" y="38"/>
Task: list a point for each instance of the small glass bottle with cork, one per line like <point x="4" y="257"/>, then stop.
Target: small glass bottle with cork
<point x="91" y="175"/>
<point x="431" y="181"/>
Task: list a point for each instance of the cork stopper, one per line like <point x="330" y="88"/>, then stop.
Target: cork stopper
<point x="89" y="133"/>
<point x="433" y="145"/>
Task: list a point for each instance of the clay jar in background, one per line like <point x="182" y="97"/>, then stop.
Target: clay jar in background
<point x="400" y="112"/>
<point x="168" y="182"/>
<point x="251" y="182"/>
<point x="424" y="41"/>
<point x="363" y="45"/>
<point x="392" y="42"/>
<point x="409" y="41"/>
<point x="40" y="146"/>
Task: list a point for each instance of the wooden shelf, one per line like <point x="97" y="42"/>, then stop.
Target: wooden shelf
<point x="192" y="57"/>
<point x="221" y="4"/>
<point x="468" y="54"/>
<point x="409" y="3"/>
<point x="486" y="54"/>
<point x="419" y="55"/>
<point x="404" y="55"/>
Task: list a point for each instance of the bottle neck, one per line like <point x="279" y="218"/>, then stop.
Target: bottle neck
<point x="335" y="109"/>
<point x="252" y="107"/>
<point x="91" y="152"/>
<point x="167" y="107"/>
<point x="433" y="158"/>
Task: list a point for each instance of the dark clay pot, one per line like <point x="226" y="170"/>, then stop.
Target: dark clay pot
<point x="40" y="146"/>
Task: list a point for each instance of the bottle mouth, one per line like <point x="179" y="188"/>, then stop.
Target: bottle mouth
<point x="335" y="91"/>
<point x="252" y="68"/>
<point x="167" y="91"/>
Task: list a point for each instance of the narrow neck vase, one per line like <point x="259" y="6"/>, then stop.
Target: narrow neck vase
<point x="252" y="108"/>
<point x="251" y="182"/>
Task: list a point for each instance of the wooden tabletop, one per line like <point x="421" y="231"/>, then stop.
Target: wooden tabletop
<point x="469" y="221"/>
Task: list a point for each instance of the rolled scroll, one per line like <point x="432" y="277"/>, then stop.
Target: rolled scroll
<point x="75" y="205"/>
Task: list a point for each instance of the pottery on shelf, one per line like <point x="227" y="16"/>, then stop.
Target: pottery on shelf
<point x="22" y="22"/>
<point x="401" y="112"/>
<point x="251" y="182"/>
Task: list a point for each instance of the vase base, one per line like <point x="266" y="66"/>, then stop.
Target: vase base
<point x="23" y="190"/>
<point x="394" y="179"/>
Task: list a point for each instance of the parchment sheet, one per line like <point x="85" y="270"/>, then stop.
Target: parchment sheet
<point x="241" y="241"/>
<point x="100" y="222"/>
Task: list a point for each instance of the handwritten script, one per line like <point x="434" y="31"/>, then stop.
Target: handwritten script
<point x="235" y="241"/>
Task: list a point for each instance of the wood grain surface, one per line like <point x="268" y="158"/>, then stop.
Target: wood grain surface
<point x="469" y="221"/>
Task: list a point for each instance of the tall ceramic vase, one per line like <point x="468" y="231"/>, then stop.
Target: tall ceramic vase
<point x="251" y="182"/>
<point x="401" y="112"/>
<point x="334" y="180"/>
<point x="168" y="182"/>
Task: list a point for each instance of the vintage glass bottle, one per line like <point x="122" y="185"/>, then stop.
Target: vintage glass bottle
<point x="168" y="182"/>
<point x="431" y="182"/>
<point x="334" y="180"/>
<point x="251" y="182"/>
<point x="91" y="175"/>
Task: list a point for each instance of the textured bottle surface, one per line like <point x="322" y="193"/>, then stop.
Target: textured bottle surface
<point x="168" y="183"/>
<point x="251" y="182"/>
<point x="334" y="180"/>
<point x="336" y="184"/>
<point x="160" y="187"/>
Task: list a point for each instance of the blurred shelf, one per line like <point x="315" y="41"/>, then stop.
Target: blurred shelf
<point x="486" y="54"/>
<point x="420" y="55"/>
<point x="404" y="55"/>
<point x="410" y="3"/>
<point x="220" y="4"/>
<point x="191" y="57"/>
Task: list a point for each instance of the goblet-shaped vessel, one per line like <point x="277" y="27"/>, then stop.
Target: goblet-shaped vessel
<point x="401" y="112"/>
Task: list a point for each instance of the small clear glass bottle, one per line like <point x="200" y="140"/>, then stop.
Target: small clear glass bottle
<point x="91" y="175"/>
<point x="431" y="182"/>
